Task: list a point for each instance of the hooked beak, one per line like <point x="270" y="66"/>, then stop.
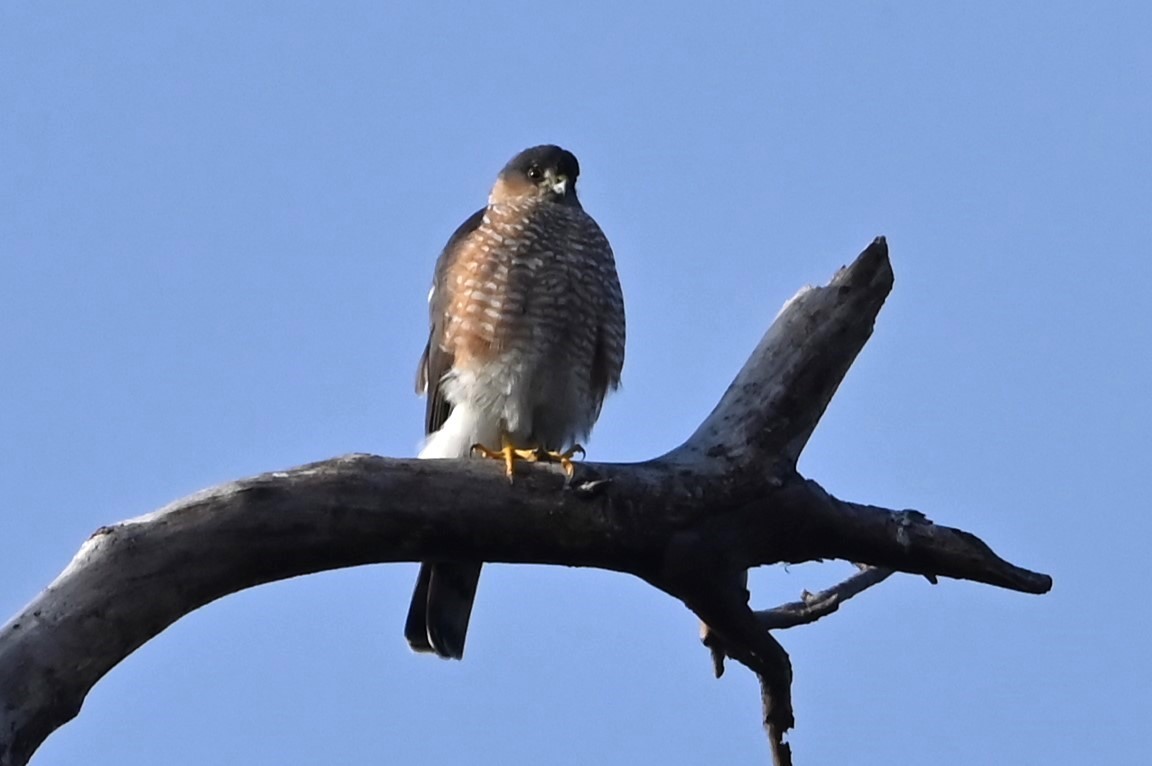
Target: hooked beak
<point x="559" y="185"/>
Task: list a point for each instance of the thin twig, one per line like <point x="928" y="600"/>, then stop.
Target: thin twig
<point x="813" y="606"/>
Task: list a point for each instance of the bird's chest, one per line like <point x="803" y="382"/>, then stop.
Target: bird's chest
<point x="517" y="289"/>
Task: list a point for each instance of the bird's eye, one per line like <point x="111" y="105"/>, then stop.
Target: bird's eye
<point x="535" y="173"/>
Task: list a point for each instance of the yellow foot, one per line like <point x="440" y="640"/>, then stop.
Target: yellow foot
<point x="564" y="458"/>
<point x="508" y="454"/>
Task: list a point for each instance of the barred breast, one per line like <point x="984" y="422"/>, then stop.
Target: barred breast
<point x="535" y="321"/>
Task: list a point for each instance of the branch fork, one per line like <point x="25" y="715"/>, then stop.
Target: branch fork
<point x="691" y="522"/>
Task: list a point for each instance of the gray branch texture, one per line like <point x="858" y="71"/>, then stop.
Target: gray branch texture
<point x="691" y="523"/>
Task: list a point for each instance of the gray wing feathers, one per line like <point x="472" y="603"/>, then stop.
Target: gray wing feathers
<point x="442" y="600"/>
<point x="436" y="361"/>
<point x="608" y="359"/>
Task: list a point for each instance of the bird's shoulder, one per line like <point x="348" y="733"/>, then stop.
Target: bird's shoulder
<point x="463" y="234"/>
<point x="436" y="360"/>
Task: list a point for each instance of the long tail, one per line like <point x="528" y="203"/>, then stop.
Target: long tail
<point x="442" y="600"/>
<point x="441" y="607"/>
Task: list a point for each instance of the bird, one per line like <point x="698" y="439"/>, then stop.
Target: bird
<point x="526" y="339"/>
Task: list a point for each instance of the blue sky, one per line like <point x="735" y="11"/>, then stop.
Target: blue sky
<point x="217" y="227"/>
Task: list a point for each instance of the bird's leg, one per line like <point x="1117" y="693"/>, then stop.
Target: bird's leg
<point x="508" y="452"/>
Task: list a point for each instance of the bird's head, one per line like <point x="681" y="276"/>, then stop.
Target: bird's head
<point x="545" y="173"/>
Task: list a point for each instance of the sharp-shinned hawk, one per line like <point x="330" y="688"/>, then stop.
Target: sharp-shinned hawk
<point x="527" y="338"/>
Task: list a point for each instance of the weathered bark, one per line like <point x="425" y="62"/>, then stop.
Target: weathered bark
<point x="690" y="522"/>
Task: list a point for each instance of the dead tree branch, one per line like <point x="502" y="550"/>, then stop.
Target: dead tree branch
<point x="690" y="522"/>
<point x="813" y="606"/>
<point x="810" y="608"/>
